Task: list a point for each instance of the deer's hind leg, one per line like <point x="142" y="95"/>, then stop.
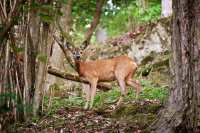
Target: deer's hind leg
<point x="133" y="83"/>
<point x="121" y="81"/>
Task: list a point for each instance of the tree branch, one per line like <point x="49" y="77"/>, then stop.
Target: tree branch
<point x="9" y="24"/>
<point x="66" y="52"/>
<point x="68" y="76"/>
<point x="94" y="23"/>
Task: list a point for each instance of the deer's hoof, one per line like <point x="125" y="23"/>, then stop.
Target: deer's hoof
<point x="115" y="107"/>
<point x="90" y="108"/>
<point x="85" y="107"/>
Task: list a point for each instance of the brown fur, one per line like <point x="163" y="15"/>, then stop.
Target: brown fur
<point x="120" y="68"/>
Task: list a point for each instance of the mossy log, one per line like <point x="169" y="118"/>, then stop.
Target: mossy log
<point x="68" y="76"/>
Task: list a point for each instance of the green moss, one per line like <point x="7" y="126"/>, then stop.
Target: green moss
<point x="134" y="109"/>
<point x="142" y="115"/>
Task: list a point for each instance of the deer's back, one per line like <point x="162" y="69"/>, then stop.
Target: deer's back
<point x="105" y="69"/>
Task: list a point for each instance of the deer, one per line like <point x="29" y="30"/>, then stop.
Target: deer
<point x="121" y="68"/>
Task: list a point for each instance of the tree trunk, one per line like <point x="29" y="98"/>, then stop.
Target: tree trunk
<point x="43" y="52"/>
<point x="182" y="111"/>
<point x="57" y="56"/>
<point x="11" y="69"/>
<point x="34" y="42"/>
<point x="143" y="4"/>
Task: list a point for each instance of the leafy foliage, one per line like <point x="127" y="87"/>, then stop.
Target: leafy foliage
<point x="129" y="15"/>
<point x="16" y="101"/>
<point x="7" y="95"/>
<point x="121" y="14"/>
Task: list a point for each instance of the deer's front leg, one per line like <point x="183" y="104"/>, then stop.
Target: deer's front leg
<point x="87" y="91"/>
<point x="93" y="90"/>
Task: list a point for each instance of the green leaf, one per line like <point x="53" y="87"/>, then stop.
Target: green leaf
<point x="46" y="18"/>
<point x="7" y="95"/>
<point x="42" y="57"/>
<point x="17" y="49"/>
<point x="35" y="5"/>
<point x="62" y="1"/>
<point x="47" y="7"/>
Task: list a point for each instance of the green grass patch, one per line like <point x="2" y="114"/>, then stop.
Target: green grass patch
<point x="153" y="92"/>
<point x="149" y="92"/>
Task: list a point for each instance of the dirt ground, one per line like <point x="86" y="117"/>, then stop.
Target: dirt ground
<point x="132" y="117"/>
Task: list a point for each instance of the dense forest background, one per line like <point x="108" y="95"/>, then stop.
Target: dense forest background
<point x="38" y="80"/>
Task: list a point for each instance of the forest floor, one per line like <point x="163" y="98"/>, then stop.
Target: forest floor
<point x="133" y="117"/>
<point x="65" y="114"/>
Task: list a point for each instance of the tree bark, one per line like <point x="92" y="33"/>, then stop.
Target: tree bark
<point x="57" y="56"/>
<point x="42" y="69"/>
<point x="94" y="23"/>
<point x="76" y="78"/>
<point x="13" y="77"/>
<point x="182" y="110"/>
<point x="33" y="66"/>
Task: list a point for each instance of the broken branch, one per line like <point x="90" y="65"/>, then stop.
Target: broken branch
<point x="68" y="76"/>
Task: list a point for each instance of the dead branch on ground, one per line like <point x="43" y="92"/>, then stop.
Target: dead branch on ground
<point x="68" y="76"/>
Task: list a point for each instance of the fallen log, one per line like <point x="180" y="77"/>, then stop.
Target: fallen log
<point x="68" y="76"/>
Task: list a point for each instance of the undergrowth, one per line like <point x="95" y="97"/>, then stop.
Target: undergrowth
<point x="149" y="92"/>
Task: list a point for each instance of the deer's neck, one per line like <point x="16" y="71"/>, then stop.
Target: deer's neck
<point x="78" y="65"/>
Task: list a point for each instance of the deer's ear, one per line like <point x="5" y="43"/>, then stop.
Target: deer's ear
<point x="84" y="44"/>
<point x="67" y="45"/>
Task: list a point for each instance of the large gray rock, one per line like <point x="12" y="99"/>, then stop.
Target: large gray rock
<point x="156" y="39"/>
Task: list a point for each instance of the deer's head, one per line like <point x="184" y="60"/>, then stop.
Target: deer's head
<point x="77" y="53"/>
